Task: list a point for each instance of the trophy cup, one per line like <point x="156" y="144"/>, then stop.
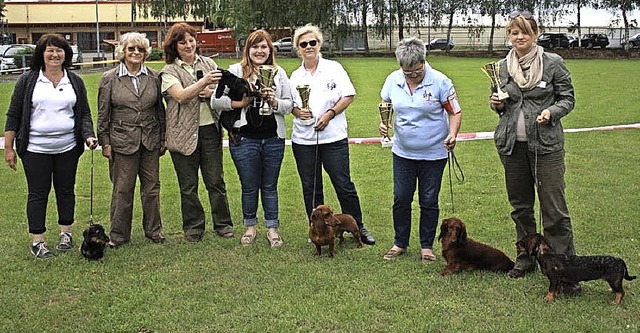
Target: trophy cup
<point x="492" y="70"/>
<point x="305" y="92"/>
<point x="266" y="75"/>
<point x="386" y="110"/>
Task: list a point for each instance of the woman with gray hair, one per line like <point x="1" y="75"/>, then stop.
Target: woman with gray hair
<point x="131" y="131"/>
<point x="427" y="121"/>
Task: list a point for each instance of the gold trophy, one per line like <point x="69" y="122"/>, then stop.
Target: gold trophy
<point x="492" y="70"/>
<point x="266" y="75"/>
<point x="386" y="111"/>
<point x="305" y="92"/>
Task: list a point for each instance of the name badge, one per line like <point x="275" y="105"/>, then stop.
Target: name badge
<point x="542" y="84"/>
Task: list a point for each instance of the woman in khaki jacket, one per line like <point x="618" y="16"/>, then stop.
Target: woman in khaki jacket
<point x="131" y="131"/>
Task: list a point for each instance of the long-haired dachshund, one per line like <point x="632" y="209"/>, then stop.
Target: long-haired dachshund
<point x="464" y="254"/>
<point x="563" y="269"/>
<point x="95" y="240"/>
<point x="325" y="227"/>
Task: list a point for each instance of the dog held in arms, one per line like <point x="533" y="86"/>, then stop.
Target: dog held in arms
<point x="566" y="269"/>
<point x="325" y="227"/>
<point x="95" y="240"/>
<point x="465" y="254"/>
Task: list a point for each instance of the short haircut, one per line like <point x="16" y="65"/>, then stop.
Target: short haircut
<point x="132" y="39"/>
<point x="527" y="25"/>
<point x="176" y="33"/>
<point x="410" y="51"/>
<point x="309" y="28"/>
<point x="37" y="63"/>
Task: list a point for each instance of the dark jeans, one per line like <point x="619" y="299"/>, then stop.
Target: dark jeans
<point x="40" y="170"/>
<point x="208" y="159"/>
<point x="258" y="162"/>
<point x="428" y="175"/>
<point x="519" y="169"/>
<point x="124" y="169"/>
<point x="334" y="157"/>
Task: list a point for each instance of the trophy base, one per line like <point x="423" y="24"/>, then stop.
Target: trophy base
<point x="502" y="95"/>
<point x="386" y="143"/>
<point x="308" y="122"/>
<point x="265" y="111"/>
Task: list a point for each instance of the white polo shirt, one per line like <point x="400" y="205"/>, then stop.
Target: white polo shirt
<point x="52" y="119"/>
<point x="328" y="84"/>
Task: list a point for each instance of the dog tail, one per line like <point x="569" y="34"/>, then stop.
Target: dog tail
<point x="626" y="274"/>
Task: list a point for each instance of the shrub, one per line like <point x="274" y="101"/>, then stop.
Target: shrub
<point x="26" y="54"/>
<point x="156" y="54"/>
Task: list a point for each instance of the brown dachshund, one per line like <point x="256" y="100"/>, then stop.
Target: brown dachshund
<point x="325" y="227"/>
<point x="465" y="254"/>
<point x="563" y="269"/>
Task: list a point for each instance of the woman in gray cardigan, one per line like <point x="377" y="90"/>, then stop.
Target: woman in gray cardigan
<point x="529" y="137"/>
<point x="131" y="131"/>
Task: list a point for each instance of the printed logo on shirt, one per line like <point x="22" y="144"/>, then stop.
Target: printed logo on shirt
<point x="331" y="85"/>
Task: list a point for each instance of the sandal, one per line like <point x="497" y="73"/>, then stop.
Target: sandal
<point x="248" y="238"/>
<point x="393" y="253"/>
<point x="427" y="256"/>
<point x="274" y="241"/>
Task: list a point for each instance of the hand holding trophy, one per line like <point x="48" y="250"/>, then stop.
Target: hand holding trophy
<point x="386" y="111"/>
<point x="492" y="70"/>
<point x="305" y="92"/>
<point x="266" y="75"/>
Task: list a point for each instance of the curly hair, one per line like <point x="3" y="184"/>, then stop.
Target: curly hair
<point x="37" y="63"/>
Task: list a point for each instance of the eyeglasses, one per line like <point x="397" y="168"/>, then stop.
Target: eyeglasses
<point x="311" y="42"/>
<point x="527" y="15"/>
<point x="134" y="48"/>
<point x="414" y="73"/>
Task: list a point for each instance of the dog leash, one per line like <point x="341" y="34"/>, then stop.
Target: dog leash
<point x="451" y="159"/>
<point x="315" y="176"/>
<point x="535" y="177"/>
<point x="91" y="192"/>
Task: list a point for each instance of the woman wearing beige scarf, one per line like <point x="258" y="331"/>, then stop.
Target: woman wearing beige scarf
<point x="529" y="138"/>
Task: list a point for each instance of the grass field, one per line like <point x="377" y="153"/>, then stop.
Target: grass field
<point x="219" y="286"/>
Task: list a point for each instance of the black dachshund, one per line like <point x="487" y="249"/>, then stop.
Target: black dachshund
<point x="95" y="240"/>
<point x="237" y="88"/>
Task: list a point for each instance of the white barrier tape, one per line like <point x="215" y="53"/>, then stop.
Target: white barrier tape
<point x="461" y="136"/>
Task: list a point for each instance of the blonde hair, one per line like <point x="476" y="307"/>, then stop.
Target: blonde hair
<point x="135" y="39"/>
<point x="309" y="28"/>
<point x="527" y="25"/>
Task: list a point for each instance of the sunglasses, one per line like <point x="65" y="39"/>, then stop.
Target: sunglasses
<point x="527" y="15"/>
<point x="414" y="73"/>
<point x="134" y="48"/>
<point x="311" y="42"/>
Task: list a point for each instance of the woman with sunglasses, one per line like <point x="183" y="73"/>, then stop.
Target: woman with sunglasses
<point x="258" y="149"/>
<point x="131" y="124"/>
<point x="194" y="134"/>
<point x="427" y="121"/>
<point x="323" y="142"/>
<point x="530" y="140"/>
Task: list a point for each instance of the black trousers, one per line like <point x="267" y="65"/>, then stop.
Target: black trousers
<point x="41" y="170"/>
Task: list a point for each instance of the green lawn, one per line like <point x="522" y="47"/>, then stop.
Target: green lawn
<point x="219" y="286"/>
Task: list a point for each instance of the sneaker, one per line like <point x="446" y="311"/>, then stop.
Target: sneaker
<point x="41" y="251"/>
<point x="66" y="242"/>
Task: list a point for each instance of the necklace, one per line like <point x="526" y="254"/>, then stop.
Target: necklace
<point x="51" y="78"/>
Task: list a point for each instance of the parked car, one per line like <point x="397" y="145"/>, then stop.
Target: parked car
<point x="77" y="56"/>
<point x="283" y="44"/>
<point x="633" y="41"/>
<point x="7" y="61"/>
<point x="592" y="40"/>
<point x="440" y="44"/>
<point x="550" y="40"/>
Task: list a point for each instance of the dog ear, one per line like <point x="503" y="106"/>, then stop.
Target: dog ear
<point x="85" y="233"/>
<point x="444" y="229"/>
<point x="462" y="235"/>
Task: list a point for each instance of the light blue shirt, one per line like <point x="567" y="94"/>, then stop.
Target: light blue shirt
<point x="421" y="123"/>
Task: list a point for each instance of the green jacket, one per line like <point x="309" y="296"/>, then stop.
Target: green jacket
<point x="555" y="93"/>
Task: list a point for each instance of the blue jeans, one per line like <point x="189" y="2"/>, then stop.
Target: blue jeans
<point x="429" y="177"/>
<point x="258" y="162"/>
<point x="334" y="157"/>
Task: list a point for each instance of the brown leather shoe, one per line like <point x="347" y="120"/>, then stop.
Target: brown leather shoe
<point x="158" y="239"/>
<point x="193" y="238"/>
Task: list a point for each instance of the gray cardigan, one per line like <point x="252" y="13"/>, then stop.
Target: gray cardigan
<point x="19" y="114"/>
<point x="555" y="93"/>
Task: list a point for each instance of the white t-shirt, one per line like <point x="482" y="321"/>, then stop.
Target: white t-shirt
<point x="52" y="119"/>
<point x="328" y="84"/>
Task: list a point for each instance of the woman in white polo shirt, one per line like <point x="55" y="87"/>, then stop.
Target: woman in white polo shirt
<point x="49" y="119"/>
<point x="322" y="143"/>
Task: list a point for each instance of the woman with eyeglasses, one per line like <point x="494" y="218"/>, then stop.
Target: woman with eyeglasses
<point x="258" y="149"/>
<point x="427" y="121"/>
<point x="49" y="120"/>
<point x="322" y="142"/>
<point x="194" y="134"/>
<point x="529" y="137"/>
<point x="131" y="130"/>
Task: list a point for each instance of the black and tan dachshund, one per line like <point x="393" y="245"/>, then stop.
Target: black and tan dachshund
<point x="95" y="240"/>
